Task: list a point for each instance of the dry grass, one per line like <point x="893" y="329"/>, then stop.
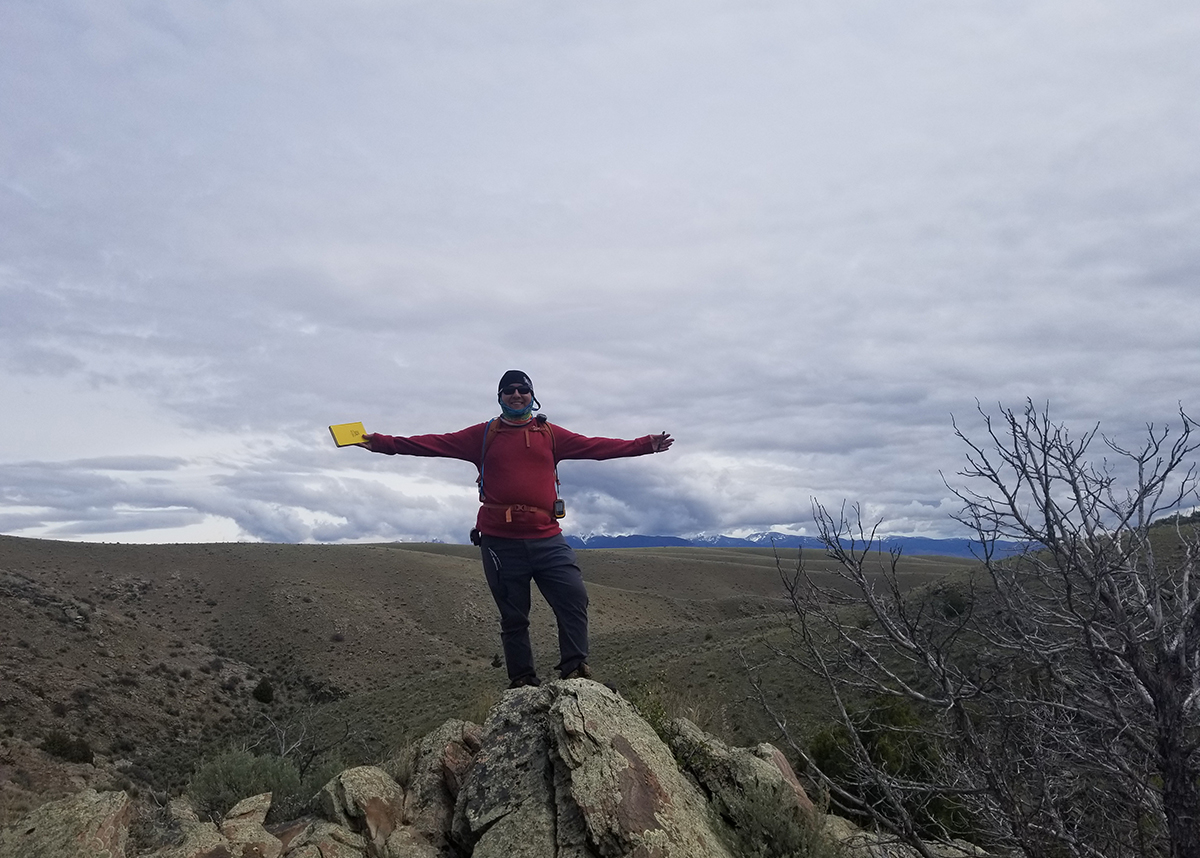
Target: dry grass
<point x="151" y="653"/>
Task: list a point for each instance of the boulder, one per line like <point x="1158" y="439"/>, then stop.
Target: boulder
<point x="240" y="835"/>
<point x="748" y="789"/>
<point x="243" y="827"/>
<point x="286" y="832"/>
<point x="433" y="771"/>
<point x="774" y="756"/>
<point x="180" y="810"/>
<point x="201" y="840"/>
<point x="364" y="800"/>
<point x="570" y="769"/>
<point x="407" y="842"/>
<point x="89" y="824"/>
<point x="506" y="805"/>
<point x="198" y="839"/>
<point x="322" y="839"/>
<point x="249" y="811"/>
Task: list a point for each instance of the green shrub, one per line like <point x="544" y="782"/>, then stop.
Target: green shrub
<point x="766" y="823"/>
<point x="659" y="703"/>
<point x="480" y="706"/>
<point x="650" y="701"/>
<point x="891" y="731"/>
<point x="263" y="692"/>
<point x="294" y="804"/>
<point x="59" y="744"/>
<point x="401" y="764"/>
<point x="223" y="781"/>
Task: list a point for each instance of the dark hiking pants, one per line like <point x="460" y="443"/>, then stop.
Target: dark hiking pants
<point x="510" y="564"/>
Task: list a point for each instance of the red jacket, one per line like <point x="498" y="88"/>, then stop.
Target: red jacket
<point x="519" y="472"/>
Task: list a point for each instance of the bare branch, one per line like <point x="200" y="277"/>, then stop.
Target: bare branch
<point x="1059" y="689"/>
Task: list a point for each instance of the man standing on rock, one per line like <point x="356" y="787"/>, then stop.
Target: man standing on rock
<point x="517" y="528"/>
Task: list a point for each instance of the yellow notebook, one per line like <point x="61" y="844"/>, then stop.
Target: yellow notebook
<point x="345" y="434"/>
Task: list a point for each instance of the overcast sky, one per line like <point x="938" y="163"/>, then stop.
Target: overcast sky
<point x="798" y="236"/>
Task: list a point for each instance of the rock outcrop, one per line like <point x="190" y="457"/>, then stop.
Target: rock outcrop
<point x="364" y="799"/>
<point x="432" y="774"/>
<point x="752" y="791"/>
<point x="88" y="824"/>
<point x="567" y="770"/>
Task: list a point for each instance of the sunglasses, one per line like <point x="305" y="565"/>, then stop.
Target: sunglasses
<point x="516" y="388"/>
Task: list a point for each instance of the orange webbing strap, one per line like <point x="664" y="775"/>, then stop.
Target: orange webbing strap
<point x="519" y="507"/>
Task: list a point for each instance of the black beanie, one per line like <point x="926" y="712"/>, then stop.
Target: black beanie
<point x="514" y="376"/>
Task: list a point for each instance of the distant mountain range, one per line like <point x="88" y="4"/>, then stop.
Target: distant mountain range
<point x="912" y="546"/>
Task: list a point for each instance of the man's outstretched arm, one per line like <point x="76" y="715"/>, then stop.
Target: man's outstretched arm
<point x="569" y="445"/>
<point x="465" y="444"/>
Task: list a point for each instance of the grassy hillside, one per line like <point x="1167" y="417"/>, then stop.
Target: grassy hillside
<point x="155" y="656"/>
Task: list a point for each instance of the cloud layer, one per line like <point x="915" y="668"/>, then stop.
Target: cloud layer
<point x="799" y="237"/>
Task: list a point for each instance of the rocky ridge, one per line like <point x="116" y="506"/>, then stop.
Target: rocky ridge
<point x="567" y="770"/>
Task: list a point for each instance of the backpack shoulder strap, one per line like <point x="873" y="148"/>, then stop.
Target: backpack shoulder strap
<point x="489" y="432"/>
<point x="544" y="422"/>
<point x="493" y="426"/>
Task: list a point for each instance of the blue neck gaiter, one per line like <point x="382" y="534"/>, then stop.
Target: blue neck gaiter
<point x="517" y="416"/>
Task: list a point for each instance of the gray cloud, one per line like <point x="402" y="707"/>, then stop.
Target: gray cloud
<point x="798" y="237"/>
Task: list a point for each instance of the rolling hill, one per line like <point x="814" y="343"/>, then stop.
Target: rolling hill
<point x="152" y="657"/>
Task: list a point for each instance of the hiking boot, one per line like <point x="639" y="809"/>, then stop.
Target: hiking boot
<point x="530" y="681"/>
<point x="581" y="672"/>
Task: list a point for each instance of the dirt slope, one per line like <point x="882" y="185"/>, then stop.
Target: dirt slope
<point x="155" y="656"/>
